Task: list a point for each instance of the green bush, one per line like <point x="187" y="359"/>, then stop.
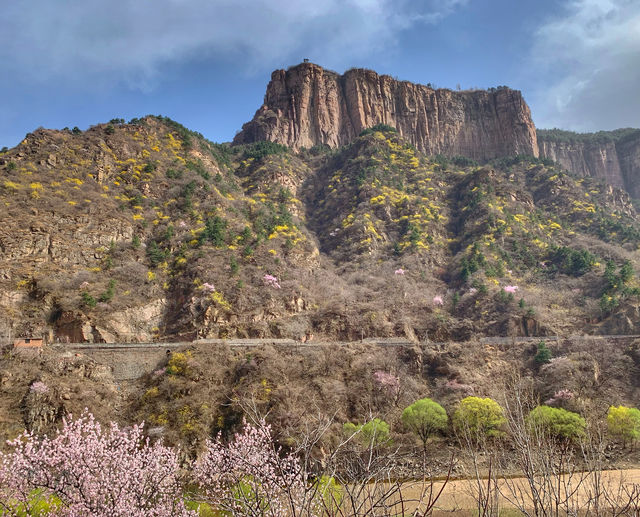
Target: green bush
<point x="624" y="423"/>
<point x="543" y="355"/>
<point x="88" y="300"/>
<point x="155" y="254"/>
<point x="107" y="295"/>
<point x="264" y="148"/>
<point x="383" y="128"/>
<point x="173" y="174"/>
<point x="556" y="422"/>
<point x="479" y="417"/>
<point x="214" y="231"/>
<point x="572" y="262"/>
<point x="372" y="433"/>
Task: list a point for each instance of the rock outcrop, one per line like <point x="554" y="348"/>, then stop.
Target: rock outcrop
<point x="306" y="106"/>
<point x="612" y="156"/>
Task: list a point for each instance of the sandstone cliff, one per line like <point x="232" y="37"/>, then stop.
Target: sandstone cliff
<point x="613" y="156"/>
<point x="308" y="105"/>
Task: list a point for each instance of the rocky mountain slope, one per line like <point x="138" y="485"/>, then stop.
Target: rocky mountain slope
<point x="307" y="106"/>
<point x="146" y="231"/>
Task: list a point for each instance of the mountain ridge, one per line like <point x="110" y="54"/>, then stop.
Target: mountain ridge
<point x="145" y="231"/>
<point x="306" y="106"/>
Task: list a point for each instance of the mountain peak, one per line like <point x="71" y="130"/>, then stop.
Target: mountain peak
<point x="307" y="105"/>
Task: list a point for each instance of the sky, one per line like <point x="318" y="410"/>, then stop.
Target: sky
<point x="206" y="63"/>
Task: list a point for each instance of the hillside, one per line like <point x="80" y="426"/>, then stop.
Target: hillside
<point x="146" y="231"/>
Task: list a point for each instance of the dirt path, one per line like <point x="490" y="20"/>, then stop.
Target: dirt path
<point x="458" y="495"/>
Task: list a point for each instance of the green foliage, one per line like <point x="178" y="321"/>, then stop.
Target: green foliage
<point x="155" y="254"/>
<point x="149" y="167"/>
<point x="425" y="418"/>
<point x="600" y="137"/>
<point x="186" y="195"/>
<point x="135" y="242"/>
<point x="624" y="423"/>
<point x="109" y="129"/>
<point x="558" y="423"/>
<point x="472" y="262"/>
<point x="76" y="130"/>
<point x="233" y="265"/>
<point x="245" y="235"/>
<point x="383" y="128"/>
<point x="174" y="174"/>
<point x="40" y="504"/>
<point x="616" y="288"/>
<point x="214" y="231"/>
<point x="11" y="166"/>
<point x="543" y="355"/>
<point x="199" y="168"/>
<point x="463" y="161"/>
<point x="88" y="300"/>
<point x="107" y="295"/>
<point x="264" y="148"/>
<point x="372" y="433"/>
<point x="572" y="262"/>
<point x="479" y="417"/>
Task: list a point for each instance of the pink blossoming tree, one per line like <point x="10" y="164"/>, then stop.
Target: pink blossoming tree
<point x="90" y="471"/>
<point x="249" y="477"/>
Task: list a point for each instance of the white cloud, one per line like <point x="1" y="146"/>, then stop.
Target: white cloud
<point x="131" y="40"/>
<point x="590" y="61"/>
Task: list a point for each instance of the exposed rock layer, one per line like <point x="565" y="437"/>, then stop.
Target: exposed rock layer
<point x="307" y="106"/>
<point x="615" y="162"/>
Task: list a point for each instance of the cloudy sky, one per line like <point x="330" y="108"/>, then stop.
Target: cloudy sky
<point x="206" y="63"/>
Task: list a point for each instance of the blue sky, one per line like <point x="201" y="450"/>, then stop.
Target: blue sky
<point x="206" y="63"/>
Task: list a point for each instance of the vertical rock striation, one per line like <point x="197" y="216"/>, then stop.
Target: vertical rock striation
<point x="308" y="105"/>
<point x="613" y="156"/>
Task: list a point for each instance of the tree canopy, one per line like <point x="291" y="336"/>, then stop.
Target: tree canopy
<point x="425" y="418"/>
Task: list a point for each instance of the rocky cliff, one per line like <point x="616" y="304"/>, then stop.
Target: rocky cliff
<point x="613" y="156"/>
<point x="306" y="106"/>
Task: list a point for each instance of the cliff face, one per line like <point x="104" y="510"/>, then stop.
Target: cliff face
<point x="606" y="155"/>
<point x="598" y="160"/>
<point x="307" y="105"/>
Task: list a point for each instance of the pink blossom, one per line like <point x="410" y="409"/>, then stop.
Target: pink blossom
<point x="39" y="387"/>
<point x="387" y="382"/>
<point x="271" y="281"/>
<point x="437" y="300"/>
<point x="473" y="291"/>
<point x="399" y="271"/>
<point x="274" y="484"/>
<point x="182" y="224"/>
<point x="510" y="289"/>
<point x="84" y="285"/>
<point x="454" y="385"/>
<point x="95" y="472"/>
<point x="208" y="287"/>
<point x="160" y="372"/>
<point x="559" y="397"/>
